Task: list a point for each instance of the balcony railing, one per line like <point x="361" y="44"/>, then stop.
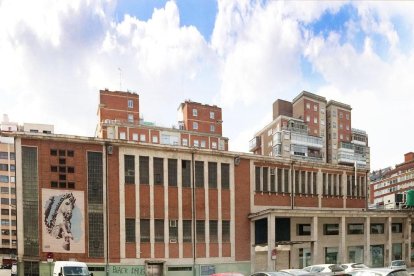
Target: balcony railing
<point x="254" y="143"/>
<point x="306" y="140"/>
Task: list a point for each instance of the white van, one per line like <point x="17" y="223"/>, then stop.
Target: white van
<point x="68" y="268"/>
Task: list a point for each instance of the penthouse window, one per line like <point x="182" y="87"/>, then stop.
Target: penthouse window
<point x="129" y="165"/>
<point x="354" y="229"/>
<point x="331" y="229"/>
<point x="377" y="228"/>
<point x="304" y="229"/>
<point x="158" y="171"/>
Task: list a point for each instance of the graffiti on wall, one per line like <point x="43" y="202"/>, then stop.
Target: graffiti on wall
<point x="63" y="221"/>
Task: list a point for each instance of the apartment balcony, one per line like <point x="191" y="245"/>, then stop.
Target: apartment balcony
<point x="306" y="140"/>
<point x="254" y="144"/>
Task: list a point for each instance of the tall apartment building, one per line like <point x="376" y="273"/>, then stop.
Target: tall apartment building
<point x="388" y="189"/>
<point x="310" y="128"/>
<point x="199" y="125"/>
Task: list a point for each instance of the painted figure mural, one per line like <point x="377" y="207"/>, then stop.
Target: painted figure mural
<point x="63" y="221"/>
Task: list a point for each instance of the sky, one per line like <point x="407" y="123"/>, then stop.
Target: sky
<point x="241" y="55"/>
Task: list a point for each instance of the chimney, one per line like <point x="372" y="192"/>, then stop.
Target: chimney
<point x="408" y="157"/>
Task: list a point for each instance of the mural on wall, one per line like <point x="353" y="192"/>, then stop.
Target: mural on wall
<point x="63" y="221"/>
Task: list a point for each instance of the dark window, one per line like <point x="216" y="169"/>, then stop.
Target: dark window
<point x="4" y="155"/>
<point x="62" y="169"/>
<point x="130" y="230"/>
<point x="145" y="230"/>
<point x="187" y="237"/>
<point x="71" y="169"/>
<point x="71" y="185"/>
<point x="129" y="164"/>
<point x="354" y="229"/>
<point x="265" y="178"/>
<point x="71" y="153"/>
<point x="396" y="228"/>
<point x="4" y="201"/>
<point x="199" y="174"/>
<point x="95" y="181"/>
<point x="12" y="156"/>
<point x="62" y="153"/>
<point x="212" y="175"/>
<point x="304" y="229"/>
<point x="96" y="234"/>
<point x="159" y="230"/>
<point x="158" y="171"/>
<point x="5" y="211"/>
<point x="13" y="191"/>
<point x="54" y="184"/>
<point x="144" y="170"/>
<point x="172" y="172"/>
<point x="257" y="179"/>
<point x="225" y="176"/>
<point x="213" y="231"/>
<point x="12" y="168"/>
<point x="62" y="161"/>
<point x="186" y="173"/>
<point x="53" y="152"/>
<point x="377" y="228"/>
<point x="200" y="230"/>
<point x="62" y="184"/>
<point x="173" y="230"/>
<point x="331" y="229"/>
<point x="4" y="190"/>
<point x="225" y="231"/>
<point x="53" y="168"/>
<point x="180" y="268"/>
<point x="62" y="176"/>
<point x="4" y="167"/>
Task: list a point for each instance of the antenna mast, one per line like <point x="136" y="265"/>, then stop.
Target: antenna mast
<point x="120" y="79"/>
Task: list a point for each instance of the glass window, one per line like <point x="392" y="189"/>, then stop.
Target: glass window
<point x="4" y="155"/>
<point x="331" y="229"/>
<point x="186" y="173"/>
<point x="144" y="170"/>
<point x="199" y="174"/>
<point x="145" y="230"/>
<point x="130" y="103"/>
<point x="377" y="255"/>
<point x="396" y="228"/>
<point x="159" y="230"/>
<point x="195" y="113"/>
<point x="142" y="137"/>
<point x="135" y="136"/>
<point x="203" y="143"/>
<point x="130" y="118"/>
<point x="4" y="167"/>
<point x="129" y="164"/>
<point x="212" y="128"/>
<point x="200" y="230"/>
<point x="187" y="237"/>
<point x="172" y="172"/>
<point x="355" y="228"/>
<point x="213" y="231"/>
<point x="225" y="231"/>
<point x="212" y="175"/>
<point x="195" y="125"/>
<point x="155" y="139"/>
<point x="122" y="135"/>
<point x="4" y="179"/>
<point x="303" y="229"/>
<point x="356" y="254"/>
<point x="225" y="176"/>
<point x="304" y="257"/>
<point x="184" y="142"/>
<point x="331" y="255"/>
<point x="158" y="170"/>
<point x="173" y="230"/>
<point x="211" y="114"/>
<point x="130" y="230"/>
<point x="396" y="251"/>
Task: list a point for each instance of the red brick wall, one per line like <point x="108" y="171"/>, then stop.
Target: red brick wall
<point x="173" y="202"/>
<point x="203" y="118"/>
<point x="213" y="201"/>
<point x="130" y="249"/>
<point x="159" y="202"/>
<point x="267" y="199"/>
<point x="242" y="207"/>
<point x="187" y="250"/>
<point x="306" y="201"/>
<point x="214" y="250"/>
<point x="225" y="204"/>
<point x="114" y="105"/>
<point x="332" y="202"/>
<point x="130" y="201"/>
<point x="145" y="250"/>
<point x="201" y="250"/>
<point x="344" y="122"/>
<point x="159" y="251"/>
<point x="226" y="249"/>
<point x="200" y="204"/>
<point x="312" y="126"/>
<point x="187" y="205"/>
<point x="173" y="250"/>
<point x="355" y="203"/>
<point x="144" y="201"/>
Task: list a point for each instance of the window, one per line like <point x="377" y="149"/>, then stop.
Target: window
<point x="341" y="115"/>
<point x="347" y="116"/>
<point x="71" y="153"/>
<point x="331" y="255"/>
<point x="158" y="170"/>
<point x="4" y="179"/>
<point x="196" y="144"/>
<point x="333" y="125"/>
<point x="347" y="127"/>
<point x="203" y="144"/>
<point x="307" y="105"/>
<point x="71" y="169"/>
<point x="199" y="174"/>
<point x="214" y="145"/>
<point x="322" y="110"/>
<point x="212" y="128"/>
<point x="130" y="103"/>
<point x="195" y="125"/>
<point x="331" y="229"/>
<point x="213" y="231"/>
<point x="173" y="231"/>
<point x="159" y="230"/>
<point x="130" y="118"/>
<point x="377" y="228"/>
<point x="155" y="139"/>
<point x="211" y="114"/>
<point x="12" y="168"/>
<point x="307" y="118"/>
<point x="304" y="229"/>
<point x="186" y="173"/>
<point x="333" y="113"/>
<point x="212" y="175"/>
<point x="225" y="231"/>
<point x="200" y="230"/>
<point x="142" y="137"/>
<point x="322" y="122"/>
<point x="354" y="229"/>
<point x="62" y="153"/>
<point x="184" y="142"/>
<point x="53" y="168"/>
<point x="4" y="201"/>
<point x="4" y="190"/>
<point x="129" y="166"/>
<point x="187" y="237"/>
<point x="341" y="126"/>
<point x="53" y="184"/>
<point x="4" y="155"/>
<point x="315" y="120"/>
<point x="341" y="136"/>
<point x="12" y="156"/>
<point x="195" y="113"/>
<point x="122" y="135"/>
<point x="4" y="167"/>
<point x="4" y="212"/>
<point x="315" y="107"/>
<point x="172" y="172"/>
<point x="144" y="170"/>
<point x="145" y="230"/>
<point x="129" y="230"/>
<point x="135" y="136"/>
<point x="225" y="176"/>
<point x="396" y="228"/>
<point x="62" y="169"/>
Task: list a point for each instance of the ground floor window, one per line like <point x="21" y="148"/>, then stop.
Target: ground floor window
<point x="356" y="254"/>
<point x="304" y="257"/>
<point x="31" y="268"/>
<point x="331" y="255"/>
<point x="396" y="251"/>
<point x="377" y="255"/>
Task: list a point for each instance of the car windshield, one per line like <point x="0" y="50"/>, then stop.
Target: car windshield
<point x="336" y="268"/>
<point x="397" y="263"/>
<point x="75" y="271"/>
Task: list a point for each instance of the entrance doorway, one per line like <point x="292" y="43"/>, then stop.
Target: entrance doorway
<point x="155" y="269"/>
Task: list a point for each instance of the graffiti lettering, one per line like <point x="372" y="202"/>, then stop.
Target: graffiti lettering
<point x="128" y="270"/>
<point x="138" y="271"/>
<point x="119" y="270"/>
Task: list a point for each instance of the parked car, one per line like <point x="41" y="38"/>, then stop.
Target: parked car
<point x="275" y="273"/>
<point x="321" y="268"/>
<point x="380" y="272"/>
<point x="227" y="274"/>
<point x="398" y="264"/>
<point x="295" y="271"/>
<point x="353" y="266"/>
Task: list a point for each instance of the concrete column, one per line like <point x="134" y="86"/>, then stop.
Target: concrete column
<point x="319" y="187"/>
<point x="344" y="188"/>
<point x="252" y="248"/>
<point x="315" y="243"/>
<point x="407" y="242"/>
<point x="388" y="243"/>
<point x="367" y="245"/>
<point x="342" y="244"/>
<point x="270" y="241"/>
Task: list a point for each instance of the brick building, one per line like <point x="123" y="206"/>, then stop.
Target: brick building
<point x="140" y="208"/>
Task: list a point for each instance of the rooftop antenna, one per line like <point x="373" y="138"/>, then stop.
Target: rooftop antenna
<point x="120" y="78"/>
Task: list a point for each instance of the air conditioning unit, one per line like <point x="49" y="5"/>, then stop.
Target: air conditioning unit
<point x="173" y="240"/>
<point x="173" y="223"/>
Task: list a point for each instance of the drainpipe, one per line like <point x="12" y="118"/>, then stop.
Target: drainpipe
<point x="107" y="210"/>
<point x="292" y="174"/>
<point x="193" y="213"/>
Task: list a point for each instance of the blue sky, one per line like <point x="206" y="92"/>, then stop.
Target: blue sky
<point x="239" y="54"/>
